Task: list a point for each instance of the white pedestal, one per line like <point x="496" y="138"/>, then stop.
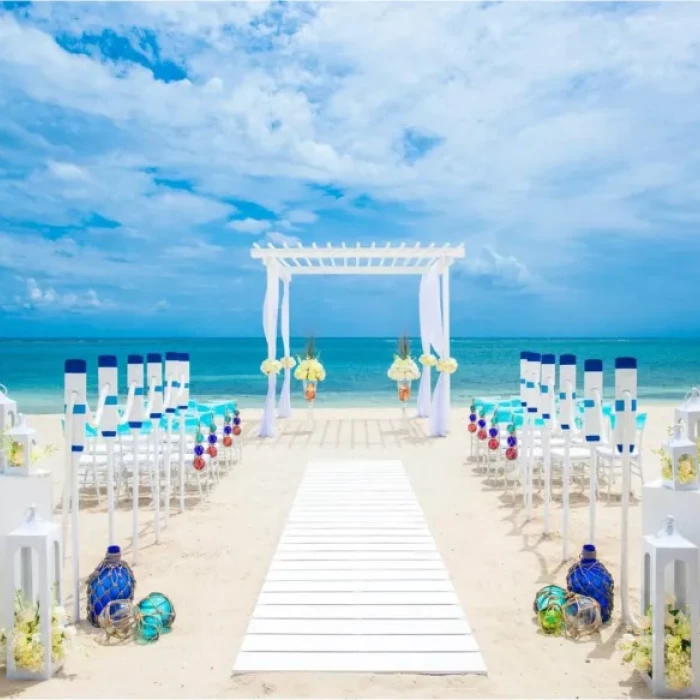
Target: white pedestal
<point x="17" y="493"/>
<point x="684" y="506"/>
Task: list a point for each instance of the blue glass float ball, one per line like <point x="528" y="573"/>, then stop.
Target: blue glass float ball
<point x="512" y="441"/>
<point x="493" y="432"/>
<point x="111" y="580"/>
<point x="198" y="450"/>
<point x="160" y="606"/>
<point x="227" y="430"/>
<point x="236" y="421"/>
<point x="212" y="439"/>
<point x="472" y="417"/>
<point x="481" y="423"/>
<point x="590" y="578"/>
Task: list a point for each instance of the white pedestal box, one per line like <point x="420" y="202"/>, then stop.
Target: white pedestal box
<point x="684" y="506"/>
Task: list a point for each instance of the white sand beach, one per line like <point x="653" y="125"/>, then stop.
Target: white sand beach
<point x="213" y="559"/>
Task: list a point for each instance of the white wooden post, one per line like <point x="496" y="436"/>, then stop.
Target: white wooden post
<point x="107" y="419"/>
<point x="547" y="408"/>
<point x="183" y="407"/>
<point x="446" y="341"/>
<point x="135" y="417"/>
<point x="593" y="395"/>
<point x="625" y="438"/>
<point x="154" y="375"/>
<point x="567" y="395"/>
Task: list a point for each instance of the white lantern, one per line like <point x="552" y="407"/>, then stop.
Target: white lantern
<point x="669" y="547"/>
<point x="24" y="436"/>
<point x="680" y="467"/>
<point x="688" y="413"/>
<point x="33" y="551"/>
<point x="8" y="419"/>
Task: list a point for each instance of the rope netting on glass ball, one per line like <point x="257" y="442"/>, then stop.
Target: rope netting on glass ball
<point x="560" y="611"/>
<point x="145" y="621"/>
<point x="589" y="577"/>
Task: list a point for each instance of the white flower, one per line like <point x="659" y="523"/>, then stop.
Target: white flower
<point x="428" y="360"/>
<point x="448" y="365"/>
<point x="288" y="362"/>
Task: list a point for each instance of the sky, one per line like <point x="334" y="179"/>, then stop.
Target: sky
<point x="145" y="147"/>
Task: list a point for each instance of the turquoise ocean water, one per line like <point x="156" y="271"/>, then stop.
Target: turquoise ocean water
<point x="32" y="370"/>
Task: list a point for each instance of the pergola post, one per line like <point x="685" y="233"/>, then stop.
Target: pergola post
<point x="446" y="341"/>
<point x="270" y="313"/>
<point x="284" y="407"/>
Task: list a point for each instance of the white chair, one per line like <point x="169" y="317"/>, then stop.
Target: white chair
<point x="611" y="462"/>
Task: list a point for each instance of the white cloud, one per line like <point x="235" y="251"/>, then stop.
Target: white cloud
<point x="299" y="216"/>
<point x="253" y="226"/>
<point x="195" y="250"/>
<point x="277" y="238"/>
<point x="67" y="171"/>
<point x="506" y="269"/>
<point x="38" y="298"/>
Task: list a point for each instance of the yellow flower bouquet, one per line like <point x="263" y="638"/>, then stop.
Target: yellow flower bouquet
<point x="686" y="470"/>
<point x="15" y="451"/>
<point x="25" y="636"/>
<point x="677" y="642"/>
<point x="269" y="367"/>
<point x="288" y="362"/>
<point x="428" y="360"/>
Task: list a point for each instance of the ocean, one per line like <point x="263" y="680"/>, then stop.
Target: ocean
<point x="32" y="370"/>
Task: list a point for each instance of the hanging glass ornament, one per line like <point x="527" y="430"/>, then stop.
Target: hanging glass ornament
<point x="511" y="454"/>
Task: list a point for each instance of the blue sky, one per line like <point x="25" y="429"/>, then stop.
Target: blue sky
<point x="145" y="147"/>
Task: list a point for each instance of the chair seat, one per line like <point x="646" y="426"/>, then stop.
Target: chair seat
<point x="609" y="453"/>
<point x="577" y="454"/>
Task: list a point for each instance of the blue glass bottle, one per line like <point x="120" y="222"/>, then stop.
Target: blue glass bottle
<point x="113" y="579"/>
<point x="590" y="578"/>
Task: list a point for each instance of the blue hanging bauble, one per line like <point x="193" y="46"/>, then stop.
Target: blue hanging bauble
<point x="512" y="441"/>
<point x="236" y="421"/>
<point x="472" y="417"/>
<point x="198" y="450"/>
<point x="212" y="439"/>
<point x="590" y="578"/>
<point x="481" y="423"/>
<point x="113" y="579"/>
<point x="227" y="430"/>
<point x="493" y="432"/>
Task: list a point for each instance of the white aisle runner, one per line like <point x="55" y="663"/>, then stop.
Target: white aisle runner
<point x="357" y="583"/>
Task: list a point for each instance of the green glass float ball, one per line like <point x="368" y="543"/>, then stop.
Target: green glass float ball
<point x="150" y="625"/>
<point x="551" y="620"/>
<point x="199" y="437"/>
<point x="163" y="607"/>
<point x="549" y="594"/>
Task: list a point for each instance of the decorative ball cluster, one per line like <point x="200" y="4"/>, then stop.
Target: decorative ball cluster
<point x="153" y="616"/>
<point x="199" y="462"/>
<point x="472" y="419"/>
<point x="482" y="434"/>
<point x="494" y="442"/>
<point x="237" y="423"/>
<point x="213" y="439"/>
<point x="512" y="442"/>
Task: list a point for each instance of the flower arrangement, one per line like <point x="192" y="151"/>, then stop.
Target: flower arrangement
<point x="288" y="362"/>
<point x="15" y="451"/>
<point x="403" y="368"/>
<point x="428" y="360"/>
<point x="448" y="365"/>
<point x="677" y="644"/>
<point x="686" y="472"/>
<point x="269" y="367"/>
<point x="25" y="636"/>
<point x="310" y="369"/>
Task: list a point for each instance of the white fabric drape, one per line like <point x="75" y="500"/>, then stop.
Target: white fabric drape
<point x="438" y="414"/>
<point x="284" y="408"/>
<point x="270" y="314"/>
<point x="424" y="313"/>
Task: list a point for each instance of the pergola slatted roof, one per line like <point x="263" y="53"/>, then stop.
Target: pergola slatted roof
<point x="359" y="260"/>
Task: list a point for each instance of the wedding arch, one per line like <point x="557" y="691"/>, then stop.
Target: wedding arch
<point x="431" y="262"/>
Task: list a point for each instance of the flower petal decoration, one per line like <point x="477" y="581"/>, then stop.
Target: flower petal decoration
<point x="269" y="367"/>
<point x="288" y="362"/>
<point x="448" y="365"/>
<point x="428" y="360"/>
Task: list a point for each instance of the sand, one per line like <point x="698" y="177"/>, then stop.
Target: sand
<point x="212" y="561"/>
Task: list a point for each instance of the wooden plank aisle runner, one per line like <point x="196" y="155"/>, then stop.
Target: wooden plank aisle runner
<point x="357" y="584"/>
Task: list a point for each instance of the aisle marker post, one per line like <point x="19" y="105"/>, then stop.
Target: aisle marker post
<point x="184" y="394"/>
<point x="547" y="408"/>
<point x="592" y="423"/>
<point x="567" y="396"/>
<point x="533" y="401"/>
<point x="75" y="397"/>
<point x="154" y="377"/>
<point x="172" y="390"/>
<point x="135" y="416"/>
<point x="107" y="419"/>
<point x="625" y="437"/>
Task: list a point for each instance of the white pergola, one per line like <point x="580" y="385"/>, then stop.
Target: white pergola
<point x="431" y="262"/>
